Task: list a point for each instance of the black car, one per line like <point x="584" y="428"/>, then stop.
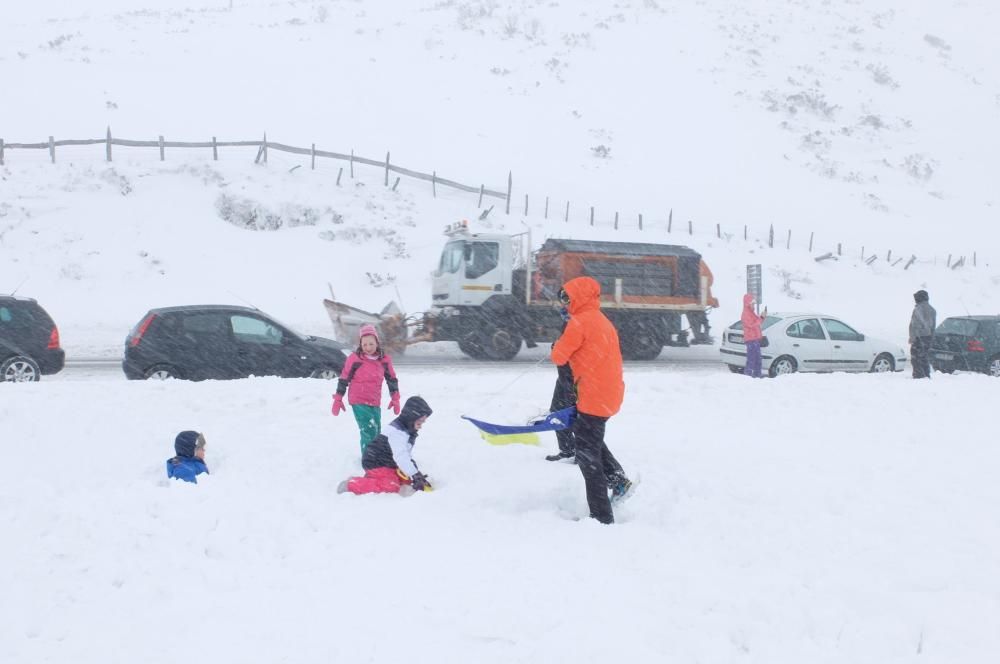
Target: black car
<point x="222" y="342"/>
<point x="29" y="341"/>
<point x="967" y="343"/>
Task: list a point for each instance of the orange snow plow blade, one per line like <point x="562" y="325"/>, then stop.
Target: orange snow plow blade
<point x="392" y="325"/>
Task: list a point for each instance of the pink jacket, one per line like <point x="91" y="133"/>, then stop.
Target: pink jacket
<point x="751" y="321"/>
<point x="364" y="376"/>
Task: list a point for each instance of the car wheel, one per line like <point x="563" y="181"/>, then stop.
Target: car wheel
<point x="735" y="369"/>
<point x="883" y="364"/>
<point x="783" y="365"/>
<point x="160" y="372"/>
<point x="326" y="373"/>
<point x="19" y="369"/>
<point x="994" y="367"/>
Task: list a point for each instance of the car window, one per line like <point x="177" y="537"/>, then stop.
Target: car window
<point x="768" y="322"/>
<point x="807" y="328"/>
<point x="5" y="315"/>
<point x="959" y="326"/>
<point x="480" y="258"/>
<point x="451" y="257"/>
<point x="841" y="332"/>
<point x="203" y="323"/>
<point x="254" y="330"/>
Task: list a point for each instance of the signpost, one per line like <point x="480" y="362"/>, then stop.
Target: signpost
<point x="755" y="283"/>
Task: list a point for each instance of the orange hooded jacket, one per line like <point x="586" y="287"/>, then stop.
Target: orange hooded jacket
<point x="590" y="345"/>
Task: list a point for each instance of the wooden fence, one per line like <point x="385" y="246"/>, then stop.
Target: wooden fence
<point x="954" y="261"/>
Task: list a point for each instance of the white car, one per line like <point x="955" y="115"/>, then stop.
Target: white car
<point x="811" y="342"/>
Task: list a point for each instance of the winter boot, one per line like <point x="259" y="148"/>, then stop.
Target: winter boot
<point x="342" y="487"/>
<point x="621" y="489"/>
<point x="560" y="455"/>
<point x="407" y="490"/>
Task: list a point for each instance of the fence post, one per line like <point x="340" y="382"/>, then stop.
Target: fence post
<point x="640" y="221"/>
<point x="591" y="215"/>
<point x="1" y="152"/>
<point x="616" y="220"/>
<point x="744" y="232"/>
<point x="770" y="237"/>
<point x="434" y="184"/>
<point x="265" y="147"/>
<point x="862" y="252"/>
<point x="525" y="205"/>
<point x="567" y="211"/>
<point x="510" y="185"/>
<point x="161" y="149"/>
<point x="52" y="149"/>
<point x="109" y="143"/>
<point x="888" y="256"/>
<point x="482" y="188"/>
<point x="788" y="244"/>
<point x="395" y="184"/>
<point x="386" y="169"/>
<point x="215" y="149"/>
<point x="546" y="207"/>
<point x="948" y="264"/>
<point x="670" y="220"/>
<point x="313" y="156"/>
<point x="811" y="241"/>
<point x="913" y="257"/>
<point x="352" y="163"/>
<point x="973" y="253"/>
<point x="718" y="231"/>
<point x="838" y="249"/>
<point x="339" y="173"/>
<point x="690" y="227"/>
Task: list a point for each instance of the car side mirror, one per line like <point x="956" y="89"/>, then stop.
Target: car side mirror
<point x="861" y="337"/>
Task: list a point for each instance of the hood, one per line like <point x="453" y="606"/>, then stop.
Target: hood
<point x="186" y="441"/>
<point x="413" y="410"/>
<point x="584" y="294"/>
<point x="748" y="301"/>
<point x="921" y="296"/>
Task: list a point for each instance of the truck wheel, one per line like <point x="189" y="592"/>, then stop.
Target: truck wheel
<point x="639" y="343"/>
<point x="473" y="347"/>
<point x="500" y="344"/>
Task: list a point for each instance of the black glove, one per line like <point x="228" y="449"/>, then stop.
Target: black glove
<point x="420" y="483"/>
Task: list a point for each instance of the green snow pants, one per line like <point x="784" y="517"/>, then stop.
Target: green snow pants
<point x="369" y="419"/>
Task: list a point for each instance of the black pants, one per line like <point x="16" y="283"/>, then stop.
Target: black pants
<point x="920" y="356"/>
<point x="564" y="396"/>
<point x="596" y="463"/>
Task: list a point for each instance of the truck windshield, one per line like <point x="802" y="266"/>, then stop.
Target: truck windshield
<point x="480" y="258"/>
<point x="451" y="257"/>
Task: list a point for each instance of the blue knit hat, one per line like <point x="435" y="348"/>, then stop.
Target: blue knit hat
<point x="186" y="442"/>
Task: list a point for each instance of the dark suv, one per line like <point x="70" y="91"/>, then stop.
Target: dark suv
<point x="29" y="341"/>
<point x="222" y="342"/>
<point x="967" y="343"/>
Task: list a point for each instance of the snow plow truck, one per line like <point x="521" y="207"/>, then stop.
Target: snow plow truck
<point x="492" y="293"/>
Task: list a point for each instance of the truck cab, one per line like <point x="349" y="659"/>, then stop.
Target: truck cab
<point x="473" y="268"/>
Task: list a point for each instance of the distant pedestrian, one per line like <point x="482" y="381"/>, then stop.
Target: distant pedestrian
<point x="752" y="335"/>
<point x="590" y="346"/>
<point x="364" y="372"/>
<point x="922" y="325"/>
<point x="189" y="461"/>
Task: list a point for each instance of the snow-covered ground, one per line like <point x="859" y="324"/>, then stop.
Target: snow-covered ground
<point x="808" y="519"/>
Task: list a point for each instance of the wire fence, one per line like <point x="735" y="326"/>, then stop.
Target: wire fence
<point x="640" y="222"/>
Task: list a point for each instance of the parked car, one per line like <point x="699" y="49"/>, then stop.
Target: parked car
<point x="967" y="343"/>
<point x="29" y="341"/>
<point x="223" y="342"/>
<point x="812" y="342"/>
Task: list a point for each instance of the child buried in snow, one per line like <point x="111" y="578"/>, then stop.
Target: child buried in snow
<point x="388" y="464"/>
<point x="364" y="371"/>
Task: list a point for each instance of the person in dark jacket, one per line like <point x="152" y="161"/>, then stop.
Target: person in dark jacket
<point x="563" y="396"/>
<point x="388" y="459"/>
<point x="922" y="325"/>
<point x="590" y="346"/>
<point x="190" y="460"/>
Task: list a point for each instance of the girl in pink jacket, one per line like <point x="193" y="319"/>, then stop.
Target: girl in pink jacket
<point x="364" y="371"/>
<point x="752" y="335"/>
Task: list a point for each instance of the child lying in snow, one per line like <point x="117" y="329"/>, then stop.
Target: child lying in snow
<point x="190" y="459"/>
<point x="388" y="464"/>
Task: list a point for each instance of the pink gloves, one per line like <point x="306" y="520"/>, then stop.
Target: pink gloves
<point x="394" y="402"/>
<point x="338" y="404"/>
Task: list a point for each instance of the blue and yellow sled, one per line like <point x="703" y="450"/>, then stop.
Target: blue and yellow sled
<point x="524" y="434"/>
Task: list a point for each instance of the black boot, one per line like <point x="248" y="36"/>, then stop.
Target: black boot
<point x="560" y="455"/>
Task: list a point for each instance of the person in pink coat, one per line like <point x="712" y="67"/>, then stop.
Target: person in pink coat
<point x="752" y="335"/>
<point x="364" y="372"/>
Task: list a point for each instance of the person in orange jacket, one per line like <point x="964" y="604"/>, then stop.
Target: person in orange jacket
<point x="590" y="346"/>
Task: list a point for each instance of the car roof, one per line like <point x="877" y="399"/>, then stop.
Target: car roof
<point x="204" y="307"/>
<point x="977" y="317"/>
<point x="15" y="298"/>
